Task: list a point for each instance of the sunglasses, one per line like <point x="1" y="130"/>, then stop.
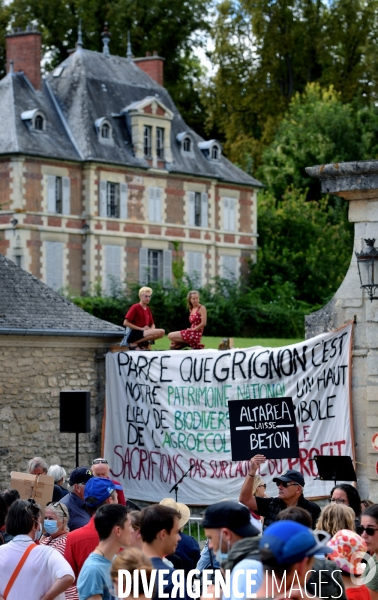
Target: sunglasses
<point x="285" y="484"/>
<point x="58" y="505"/>
<point x="262" y="485"/>
<point x="100" y="461"/>
<point x="369" y="530"/>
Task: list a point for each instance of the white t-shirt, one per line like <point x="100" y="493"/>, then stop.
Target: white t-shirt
<point x="42" y="568"/>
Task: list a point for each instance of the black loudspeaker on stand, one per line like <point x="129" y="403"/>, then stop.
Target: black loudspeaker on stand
<point x="75" y="414"/>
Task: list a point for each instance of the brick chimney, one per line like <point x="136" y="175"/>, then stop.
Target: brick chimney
<point x="152" y="65"/>
<point x="24" y="48"/>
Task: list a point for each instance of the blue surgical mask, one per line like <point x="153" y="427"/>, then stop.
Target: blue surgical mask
<point x="221" y="556"/>
<point x="38" y="533"/>
<point x="50" y="526"/>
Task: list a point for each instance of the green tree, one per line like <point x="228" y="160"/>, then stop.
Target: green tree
<point x="307" y="244"/>
<point x="267" y="51"/>
<point x="317" y="129"/>
<point x="170" y="28"/>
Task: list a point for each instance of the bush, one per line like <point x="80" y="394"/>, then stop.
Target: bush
<point x="233" y="309"/>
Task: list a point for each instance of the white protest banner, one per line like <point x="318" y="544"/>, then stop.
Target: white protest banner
<point x="166" y="411"/>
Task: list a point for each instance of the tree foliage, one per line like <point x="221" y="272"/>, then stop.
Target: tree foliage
<point x="267" y="51"/>
<point x="170" y="28"/>
<point x="305" y="243"/>
<point x="317" y="129"/>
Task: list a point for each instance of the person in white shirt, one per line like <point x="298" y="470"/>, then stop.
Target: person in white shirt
<point x="44" y="574"/>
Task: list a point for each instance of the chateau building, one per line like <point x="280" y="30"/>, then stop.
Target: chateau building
<point x="101" y="180"/>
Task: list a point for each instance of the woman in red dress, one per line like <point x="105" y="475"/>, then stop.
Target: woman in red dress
<point x="197" y="318"/>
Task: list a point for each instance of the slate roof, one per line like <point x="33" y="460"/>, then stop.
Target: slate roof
<point x="28" y="306"/>
<point x="90" y="86"/>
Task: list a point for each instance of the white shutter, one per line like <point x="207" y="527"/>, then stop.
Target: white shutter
<point x="151" y="204"/>
<point x="232" y="215"/>
<point x="51" y="194"/>
<point x="167" y="266"/>
<point x="102" y="199"/>
<point x="190" y="265"/>
<point x="66" y="195"/>
<point x="112" y="268"/>
<point x="191" y="208"/>
<point x="204" y="210"/>
<point x="54" y="265"/>
<point x="229" y="264"/>
<point x="123" y="201"/>
<point x="195" y="267"/>
<point x="225" y="214"/>
<point x="198" y="267"/>
<point x="143" y="266"/>
<point x="158" y="204"/>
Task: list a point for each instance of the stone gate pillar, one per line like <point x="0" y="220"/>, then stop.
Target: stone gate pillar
<point x="357" y="182"/>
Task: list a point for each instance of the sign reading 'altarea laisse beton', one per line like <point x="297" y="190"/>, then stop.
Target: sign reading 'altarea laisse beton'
<point x="168" y="411"/>
<point x="263" y="426"/>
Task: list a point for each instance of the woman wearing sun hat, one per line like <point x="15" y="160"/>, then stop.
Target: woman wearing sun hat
<point x="348" y="551"/>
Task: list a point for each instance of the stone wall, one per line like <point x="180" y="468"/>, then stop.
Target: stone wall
<point x="358" y="183"/>
<point x="33" y="370"/>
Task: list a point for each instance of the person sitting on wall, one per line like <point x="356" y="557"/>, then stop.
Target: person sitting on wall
<point x="197" y="319"/>
<point x="140" y="323"/>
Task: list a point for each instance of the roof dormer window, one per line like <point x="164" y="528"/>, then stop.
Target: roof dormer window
<point x="38" y="123"/>
<point x="187" y="147"/>
<point x="104" y="131"/>
<point x="35" y="119"/>
<point x="211" y="149"/>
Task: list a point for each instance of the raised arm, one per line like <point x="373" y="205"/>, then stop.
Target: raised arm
<point x="246" y="496"/>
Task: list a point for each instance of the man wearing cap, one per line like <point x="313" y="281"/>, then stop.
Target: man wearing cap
<point x="74" y="500"/>
<point x="290" y="493"/>
<point x="232" y="537"/>
<point x="100" y="468"/>
<point x="81" y="542"/>
<point x="286" y="552"/>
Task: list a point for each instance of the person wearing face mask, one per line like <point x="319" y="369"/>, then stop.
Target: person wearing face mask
<point x="233" y="539"/>
<point x="30" y="570"/>
<point x="55" y="534"/>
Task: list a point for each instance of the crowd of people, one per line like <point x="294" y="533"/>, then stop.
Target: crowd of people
<point x="141" y="330"/>
<point x="81" y="545"/>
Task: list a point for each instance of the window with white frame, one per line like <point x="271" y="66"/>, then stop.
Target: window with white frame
<point x="54" y="265"/>
<point x="198" y="209"/>
<point x="147" y="139"/>
<point x="194" y="268"/>
<point x="58" y="195"/>
<point x="229" y="214"/>
<point x="160" y="142"/>
<point x="229" y="268"/>
<point x="155" y="265"/>
<point x="155" y="204"/>
<point x="113" y="255"/>
<point x="105" y="131"/>
<point x="38" y="123"/>
<point x="112" y="199"/>
<point x="187" y="145"/>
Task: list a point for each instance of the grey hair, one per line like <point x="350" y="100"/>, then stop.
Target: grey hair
<point x="57" y="472"/>
<point x="36" y="462"/>
<point x="60" y="510"/>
